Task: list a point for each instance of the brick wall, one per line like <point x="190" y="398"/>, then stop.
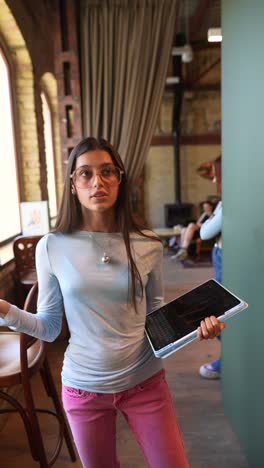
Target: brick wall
<point x="34" y="19"/>
<point x="28" y="45"/>
<point x="159" y="184"/>
<point x="23" y="103"/>
<point x="201" y="115"/>
<point x="29" y="41"/>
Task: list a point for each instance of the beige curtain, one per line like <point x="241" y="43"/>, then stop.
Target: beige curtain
<point x="126" y="46"/>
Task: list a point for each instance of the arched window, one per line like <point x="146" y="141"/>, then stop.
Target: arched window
<point x="48" y="136"/>
<point x="9" y="190"/>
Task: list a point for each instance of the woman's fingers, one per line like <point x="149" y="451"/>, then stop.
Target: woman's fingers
<point x="4" y="308"/>
<point x="209" y="328"/>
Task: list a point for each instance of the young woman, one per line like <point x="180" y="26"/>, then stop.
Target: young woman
<point x="105" y="271"/>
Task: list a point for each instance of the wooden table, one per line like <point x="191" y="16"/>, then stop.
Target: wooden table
<point x="166" y="233"/>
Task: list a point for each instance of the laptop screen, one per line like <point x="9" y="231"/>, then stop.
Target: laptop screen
<point x="184" y="314"/>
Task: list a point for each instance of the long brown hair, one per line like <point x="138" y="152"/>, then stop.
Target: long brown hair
<point x="69" y="216"/>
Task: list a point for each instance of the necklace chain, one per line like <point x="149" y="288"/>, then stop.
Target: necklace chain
<point x="105" y="258"/>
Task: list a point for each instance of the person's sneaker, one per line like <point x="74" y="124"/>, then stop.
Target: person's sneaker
<point x="181" y="255"/>
<point x="173" y="242"/>
<point x="208" y="371"/>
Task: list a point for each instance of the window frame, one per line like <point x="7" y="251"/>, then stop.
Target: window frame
<point x="48" y="101"/>
<point x="15" y="125"/>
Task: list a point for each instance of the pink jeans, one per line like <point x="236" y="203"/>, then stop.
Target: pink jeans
<point x="149" y="411"/>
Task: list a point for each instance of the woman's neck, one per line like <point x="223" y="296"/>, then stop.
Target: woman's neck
<point x="104" y="223"/>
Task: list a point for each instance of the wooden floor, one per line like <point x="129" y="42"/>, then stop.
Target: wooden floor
<point x="208" y="437"/>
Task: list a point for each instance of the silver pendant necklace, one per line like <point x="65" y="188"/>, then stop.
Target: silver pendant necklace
<point x="105" y="258"/>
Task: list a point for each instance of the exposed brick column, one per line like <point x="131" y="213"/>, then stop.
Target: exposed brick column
<point x="68" y="77"/>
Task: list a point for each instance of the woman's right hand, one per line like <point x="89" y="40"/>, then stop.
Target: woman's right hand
<point x="4" y="308"/>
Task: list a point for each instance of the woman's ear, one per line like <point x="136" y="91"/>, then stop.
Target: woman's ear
<point x="73" y="190"/>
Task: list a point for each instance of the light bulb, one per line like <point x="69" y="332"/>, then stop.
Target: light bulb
<point x="187" y="55"/>
<point x="214" y="35"/>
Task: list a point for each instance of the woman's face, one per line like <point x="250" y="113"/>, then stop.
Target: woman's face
<point x="98" y="194"/>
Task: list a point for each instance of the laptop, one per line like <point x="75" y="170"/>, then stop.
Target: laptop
<point x="174" y="325"/>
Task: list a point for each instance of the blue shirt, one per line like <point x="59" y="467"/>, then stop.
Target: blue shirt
<point x="213" y="226"/>
<point x="107" y="350"/>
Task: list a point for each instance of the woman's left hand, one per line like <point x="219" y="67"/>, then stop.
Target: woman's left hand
<point x="209" y="328"/>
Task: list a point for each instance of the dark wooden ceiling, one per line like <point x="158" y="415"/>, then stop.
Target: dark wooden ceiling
<point x="194" y="19"/>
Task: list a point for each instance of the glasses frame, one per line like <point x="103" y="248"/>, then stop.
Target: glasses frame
<point x="121" y="172"/>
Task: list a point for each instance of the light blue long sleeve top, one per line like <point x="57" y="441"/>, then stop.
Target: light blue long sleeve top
<point x="213" y="226"/>
<point x="108" y="350"/>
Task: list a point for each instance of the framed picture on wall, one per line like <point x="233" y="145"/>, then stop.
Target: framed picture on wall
<point x="34" y="218"/>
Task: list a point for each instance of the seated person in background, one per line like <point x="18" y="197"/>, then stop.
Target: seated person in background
<point x="192" y="231"/>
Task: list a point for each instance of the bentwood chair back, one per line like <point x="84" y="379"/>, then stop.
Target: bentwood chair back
<point x="21" y="357"/>
<point x="24" y="248"/>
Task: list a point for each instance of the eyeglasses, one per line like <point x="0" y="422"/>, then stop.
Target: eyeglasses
<point x="83" y="176"/>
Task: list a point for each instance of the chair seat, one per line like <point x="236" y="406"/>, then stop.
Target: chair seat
<point x="28" y="278"/>
<point x="10" y="356"/>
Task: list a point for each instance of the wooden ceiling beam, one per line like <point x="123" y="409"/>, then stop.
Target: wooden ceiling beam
<point x="202" y="87"/>
<point x="203" y="139"/>
<point x="203" y="45"/>
<point x="188" y="86"/>
<point x="206" y="70"/>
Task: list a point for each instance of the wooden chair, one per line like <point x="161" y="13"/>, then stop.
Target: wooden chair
<point x="21" y="357"/>
<point x="24" y="248"/>
<point x="203" y="247"/>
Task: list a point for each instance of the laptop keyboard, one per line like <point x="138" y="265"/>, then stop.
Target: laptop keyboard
<point x="161" y="331"/>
